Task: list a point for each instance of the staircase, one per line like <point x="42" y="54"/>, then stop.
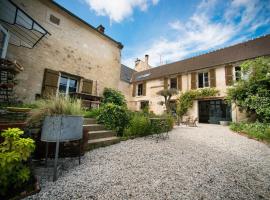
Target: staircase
<point x="98" y="135"/>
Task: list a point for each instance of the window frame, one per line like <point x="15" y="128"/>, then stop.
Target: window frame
<point x="204" y="81"/>
<point x="240" y="74"/>
<point x="140" y="92"/>
<point x="69" y="78"/>
<point x="176" y="85"/>
<point x="6" y="40"/>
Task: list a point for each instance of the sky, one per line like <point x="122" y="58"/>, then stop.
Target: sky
<point x="172" y="30"/>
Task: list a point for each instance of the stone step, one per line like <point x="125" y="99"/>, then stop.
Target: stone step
<point x="93" y="127"/>
<point x="89" y="121"/>
<point x="102" y="142"/>
<point x="92" y="135"/>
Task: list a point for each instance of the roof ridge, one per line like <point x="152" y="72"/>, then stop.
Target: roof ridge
<point x="203" y="54"/>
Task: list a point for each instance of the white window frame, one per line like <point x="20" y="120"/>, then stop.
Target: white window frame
<point x="176" y="82"/>
<point x="203" y="72"/>
<point x="5" y="46"/>
<point x="68" y="82"/>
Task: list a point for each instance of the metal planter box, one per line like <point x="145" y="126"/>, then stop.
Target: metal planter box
<point x="62" y="128"/>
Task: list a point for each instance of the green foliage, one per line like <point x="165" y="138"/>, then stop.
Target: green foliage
<point x="114" y="117"/>
<point x="185" y="100"/>
<point x="167" y="94"/>
<point x="253" y="93"/>
<point x="255" y="130"/>
<point x="14" y="151"/>
<point x="139" y="125"/>
<point x="92" y="113"/>
<point x="61" y="105"/>
<point x="113" y="96"/>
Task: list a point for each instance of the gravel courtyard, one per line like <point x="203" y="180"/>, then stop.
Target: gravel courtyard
<point x="208" y="162"/>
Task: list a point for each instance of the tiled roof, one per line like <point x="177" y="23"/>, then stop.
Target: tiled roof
<point x="126" y="73"/>
<point x="239" y="52"/>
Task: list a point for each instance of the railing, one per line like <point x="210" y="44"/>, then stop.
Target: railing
<point x="88" y="100"/>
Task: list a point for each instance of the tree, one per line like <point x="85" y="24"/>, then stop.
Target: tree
<point x="252" y="93"/>
<point x="167" y="94"/>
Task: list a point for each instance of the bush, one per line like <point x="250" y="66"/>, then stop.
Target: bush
<point x="255" y="130"/>
<point x="113" y="96"/>
<point x="139" y="125"/>
<point x="14" y="152"/>
<point x="114" y="117"/>
<point x="93" y="113"/>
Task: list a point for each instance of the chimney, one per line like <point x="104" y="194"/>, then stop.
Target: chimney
<point x="137" y="61"/>
<point x="146" y="59"/>
<point x="101" y="28"/>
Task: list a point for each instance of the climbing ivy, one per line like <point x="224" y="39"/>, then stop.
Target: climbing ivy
<point x="185" y="100"/>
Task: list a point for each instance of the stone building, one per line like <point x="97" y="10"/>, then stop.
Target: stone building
<point x="58" y="51"/>
<point x="217" y="69"/>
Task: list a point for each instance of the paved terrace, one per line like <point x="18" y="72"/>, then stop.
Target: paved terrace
<point x="208" y="162"/>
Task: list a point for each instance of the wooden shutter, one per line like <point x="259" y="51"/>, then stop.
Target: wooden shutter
<point x="212" y="73"/>
<point x="179" y="82"/>
<point x="193" y="80"/>
<point x="134" y="90"/>
<point x="165" y="83"/>
<point x="50" y="83"/>
<point x="87" y="86"/>
<point x="144" y="88"/>
<point x="229" y="74"/>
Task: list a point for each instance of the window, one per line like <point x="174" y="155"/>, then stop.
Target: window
<point x="144" y="105"/>
<point x="67" y="85"/>
<point x="237" y="73"/>
<point x="140" y="89"/>
<point x="173" y="83"/>
<point x="203" y="80"/>
<point x="4" y="37"/>
<point x="54" y="19"/>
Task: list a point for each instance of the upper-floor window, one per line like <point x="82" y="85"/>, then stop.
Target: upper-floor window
<point x="67" y="84"/>
<point x="173" y="83"/>
<point x="203" y="80"/>
<point x="140" y="89"/>
<point x="4" y="36"/>
<point x="237" y="73"/>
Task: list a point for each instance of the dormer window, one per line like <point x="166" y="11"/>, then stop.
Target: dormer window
<point x="203" y="80"/>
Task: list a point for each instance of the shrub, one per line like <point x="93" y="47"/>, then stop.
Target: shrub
<point x="139" y="125"/>
<point x="61" y="105"/>
<point x="93" y="113"/>
<point x="14" y="152"/>
<point x="255" y="130"/>
<point x="114" y="117"/>
<point x="113" y="96"/>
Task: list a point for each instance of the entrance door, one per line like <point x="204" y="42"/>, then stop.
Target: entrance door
<point x="213" y="111"/>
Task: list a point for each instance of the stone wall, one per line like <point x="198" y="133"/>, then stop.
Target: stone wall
<point x="73" y="47"/>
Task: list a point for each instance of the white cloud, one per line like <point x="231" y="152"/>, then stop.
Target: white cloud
<point x="118" y="10"/>
<point x="201" y="32"/>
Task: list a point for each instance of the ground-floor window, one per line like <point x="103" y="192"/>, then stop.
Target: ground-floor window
<point x="144" y="105"/>
<point x="214" y="111"/>
<point x="67" y="84"/>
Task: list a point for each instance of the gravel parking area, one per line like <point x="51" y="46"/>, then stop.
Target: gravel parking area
<point x="208" y="162"/>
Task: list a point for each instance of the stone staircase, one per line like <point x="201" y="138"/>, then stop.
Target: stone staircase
<point x="98" y="135"/>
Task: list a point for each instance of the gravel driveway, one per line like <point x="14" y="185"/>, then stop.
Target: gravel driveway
<point x="208" y="162"/>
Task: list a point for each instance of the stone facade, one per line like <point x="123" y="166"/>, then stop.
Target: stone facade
<point x="73" y="48"/>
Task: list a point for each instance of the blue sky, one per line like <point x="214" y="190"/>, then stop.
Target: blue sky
<point x="172" y="30"/>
